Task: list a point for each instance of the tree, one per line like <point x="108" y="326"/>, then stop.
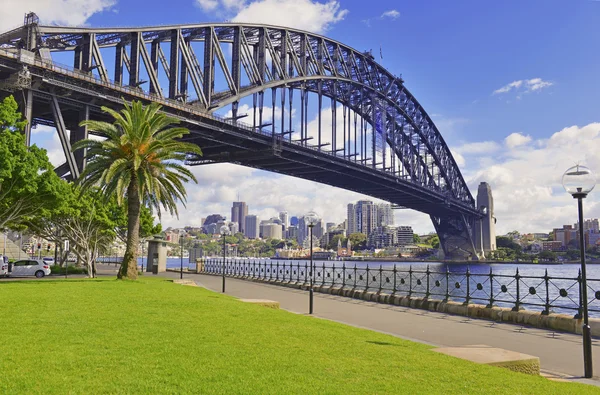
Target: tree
<point x="573" y="254"/>
<point x="119" y="215"/>
<point x="549" y="255"/>
<point x="416" y="238"/>
<point x="358" y="240"/>
<point x="83" y="219"/>
<point x="335" y="240"/>
<point x="434" y="241"/>
<point x="28" y="184"/>
<point x="507" y="242"/>
<point x="140" y="161"/>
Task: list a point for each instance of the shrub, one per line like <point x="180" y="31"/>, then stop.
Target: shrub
<point x="56" y="269"/>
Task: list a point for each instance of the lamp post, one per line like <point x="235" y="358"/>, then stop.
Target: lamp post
<point x="579" y="181"/>
<point x="224" y="232"/>
<point x="311" y="219"/>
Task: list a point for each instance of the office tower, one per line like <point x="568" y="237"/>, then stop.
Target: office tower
<point x="385" y="215"/>
<point x="329" y="226"/>
<point x="291" y="233"/>
<point x="239" y="211"/>
<point x="283" y="216"/>
<point x="271" y="230"/>
<point x="351" y="220"/>
<point x="251" y="229"/>
<point x="302" y="230"/>
<point x="366" y="217"/>
<point x="294" y="221"/>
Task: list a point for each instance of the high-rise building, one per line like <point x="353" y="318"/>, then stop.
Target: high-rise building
<point x="233" y="227"/>
<point x="251" y="229"/>
<point x="271" y="230"/>
<point x="284" y="217"/>
<point x="319" y="228"/>
<point x="382" y="237"/>
<point x="329" y="226"/>
<point x="239" y="211"/>
<point x="385" y="214"/>
<point x="404" y="235"/>
<point x="291" y="232"/>
<point x="366" y="217"/>
<point x="589" y="224"/>
<point x="302" y="230"/>
<point x="351" y="220"/>
<point x="485" y="239"/>
<point x="294" y="221"/>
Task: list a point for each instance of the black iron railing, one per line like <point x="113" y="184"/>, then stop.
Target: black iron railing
<point x="548" y="294"/>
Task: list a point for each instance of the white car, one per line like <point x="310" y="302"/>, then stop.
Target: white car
<point x="48" y="261"/>
<point x="30" y="267"/>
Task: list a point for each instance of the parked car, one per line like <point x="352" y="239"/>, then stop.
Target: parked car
<point x="4" y="266"/>
<point x="29" y="267"/>
<point x="48" y="261"/>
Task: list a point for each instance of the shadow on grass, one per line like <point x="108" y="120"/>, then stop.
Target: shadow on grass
<point x="382" y="343"/>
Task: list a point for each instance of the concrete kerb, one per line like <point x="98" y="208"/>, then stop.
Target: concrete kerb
<point x="557" y="322"/>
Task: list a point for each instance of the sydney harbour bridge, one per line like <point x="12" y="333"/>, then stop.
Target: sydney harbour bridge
<point x="245" y="91"/>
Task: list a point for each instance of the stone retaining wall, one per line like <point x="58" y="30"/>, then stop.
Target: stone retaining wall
<point x="558" y="322"/>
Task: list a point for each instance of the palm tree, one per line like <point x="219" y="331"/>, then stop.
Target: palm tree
<point x="141" y="161"/>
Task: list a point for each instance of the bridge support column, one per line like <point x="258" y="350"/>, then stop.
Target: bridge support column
<point x="28" y="113"/>
<point x="78" y="134"/>
<point x="64" y="137"/>
<point x="456" y="233"/>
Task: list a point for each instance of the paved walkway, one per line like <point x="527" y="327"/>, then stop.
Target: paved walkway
<point x="560" y="354"/>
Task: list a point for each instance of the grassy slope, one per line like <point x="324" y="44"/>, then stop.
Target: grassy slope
<point x="90" y="336"/>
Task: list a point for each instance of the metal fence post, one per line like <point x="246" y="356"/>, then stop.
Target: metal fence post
<point x="333" y="275"/>
<point x="579" y="314"/>
<point x="468" y="285"/>
<point x="518" y="301"/>
<point x="394" y="291"/>
<point x="428" y="274"/>
<point x="447" y="298"/>
<point x="344" y="275"/>
<point x="491" y="289"/>
<point x="380" y="278"/>
<point x="323" y="274"/>
<point x="306" y="271"/>
<point x="367" y="287"/>
<point x="355" y="275"/>
<point x="410" y="271"/>
<point x="547" y="307"/>
<point x="277" y="272"/>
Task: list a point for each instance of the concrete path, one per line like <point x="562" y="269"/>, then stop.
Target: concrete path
<point x="561" y="354"/>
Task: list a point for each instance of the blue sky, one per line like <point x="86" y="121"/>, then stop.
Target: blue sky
<point x="512" y="85"/>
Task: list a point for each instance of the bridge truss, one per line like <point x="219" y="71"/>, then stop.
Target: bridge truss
<point x="314" y="107"/>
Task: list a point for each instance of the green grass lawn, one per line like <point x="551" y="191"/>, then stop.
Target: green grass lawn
<point x="152" y="336"/>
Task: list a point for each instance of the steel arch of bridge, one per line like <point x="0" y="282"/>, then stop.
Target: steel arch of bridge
<point x="181" y="63"/>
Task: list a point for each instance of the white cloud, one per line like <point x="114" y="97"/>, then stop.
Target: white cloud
<point x="207" y="5"/>
<point x="478" y="148"/>
<point x="66" y="12"/>
<point x="311" y="15"/>
<point x="516" y="139"/>
<point x="526" y="181"/>
<point x="392" y="14"/>
<point x="528" y="86"/>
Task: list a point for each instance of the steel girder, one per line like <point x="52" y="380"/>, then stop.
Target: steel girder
<point x="254" y="60"/>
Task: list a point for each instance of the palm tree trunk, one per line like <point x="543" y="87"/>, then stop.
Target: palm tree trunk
<point x="129" y="267"/>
